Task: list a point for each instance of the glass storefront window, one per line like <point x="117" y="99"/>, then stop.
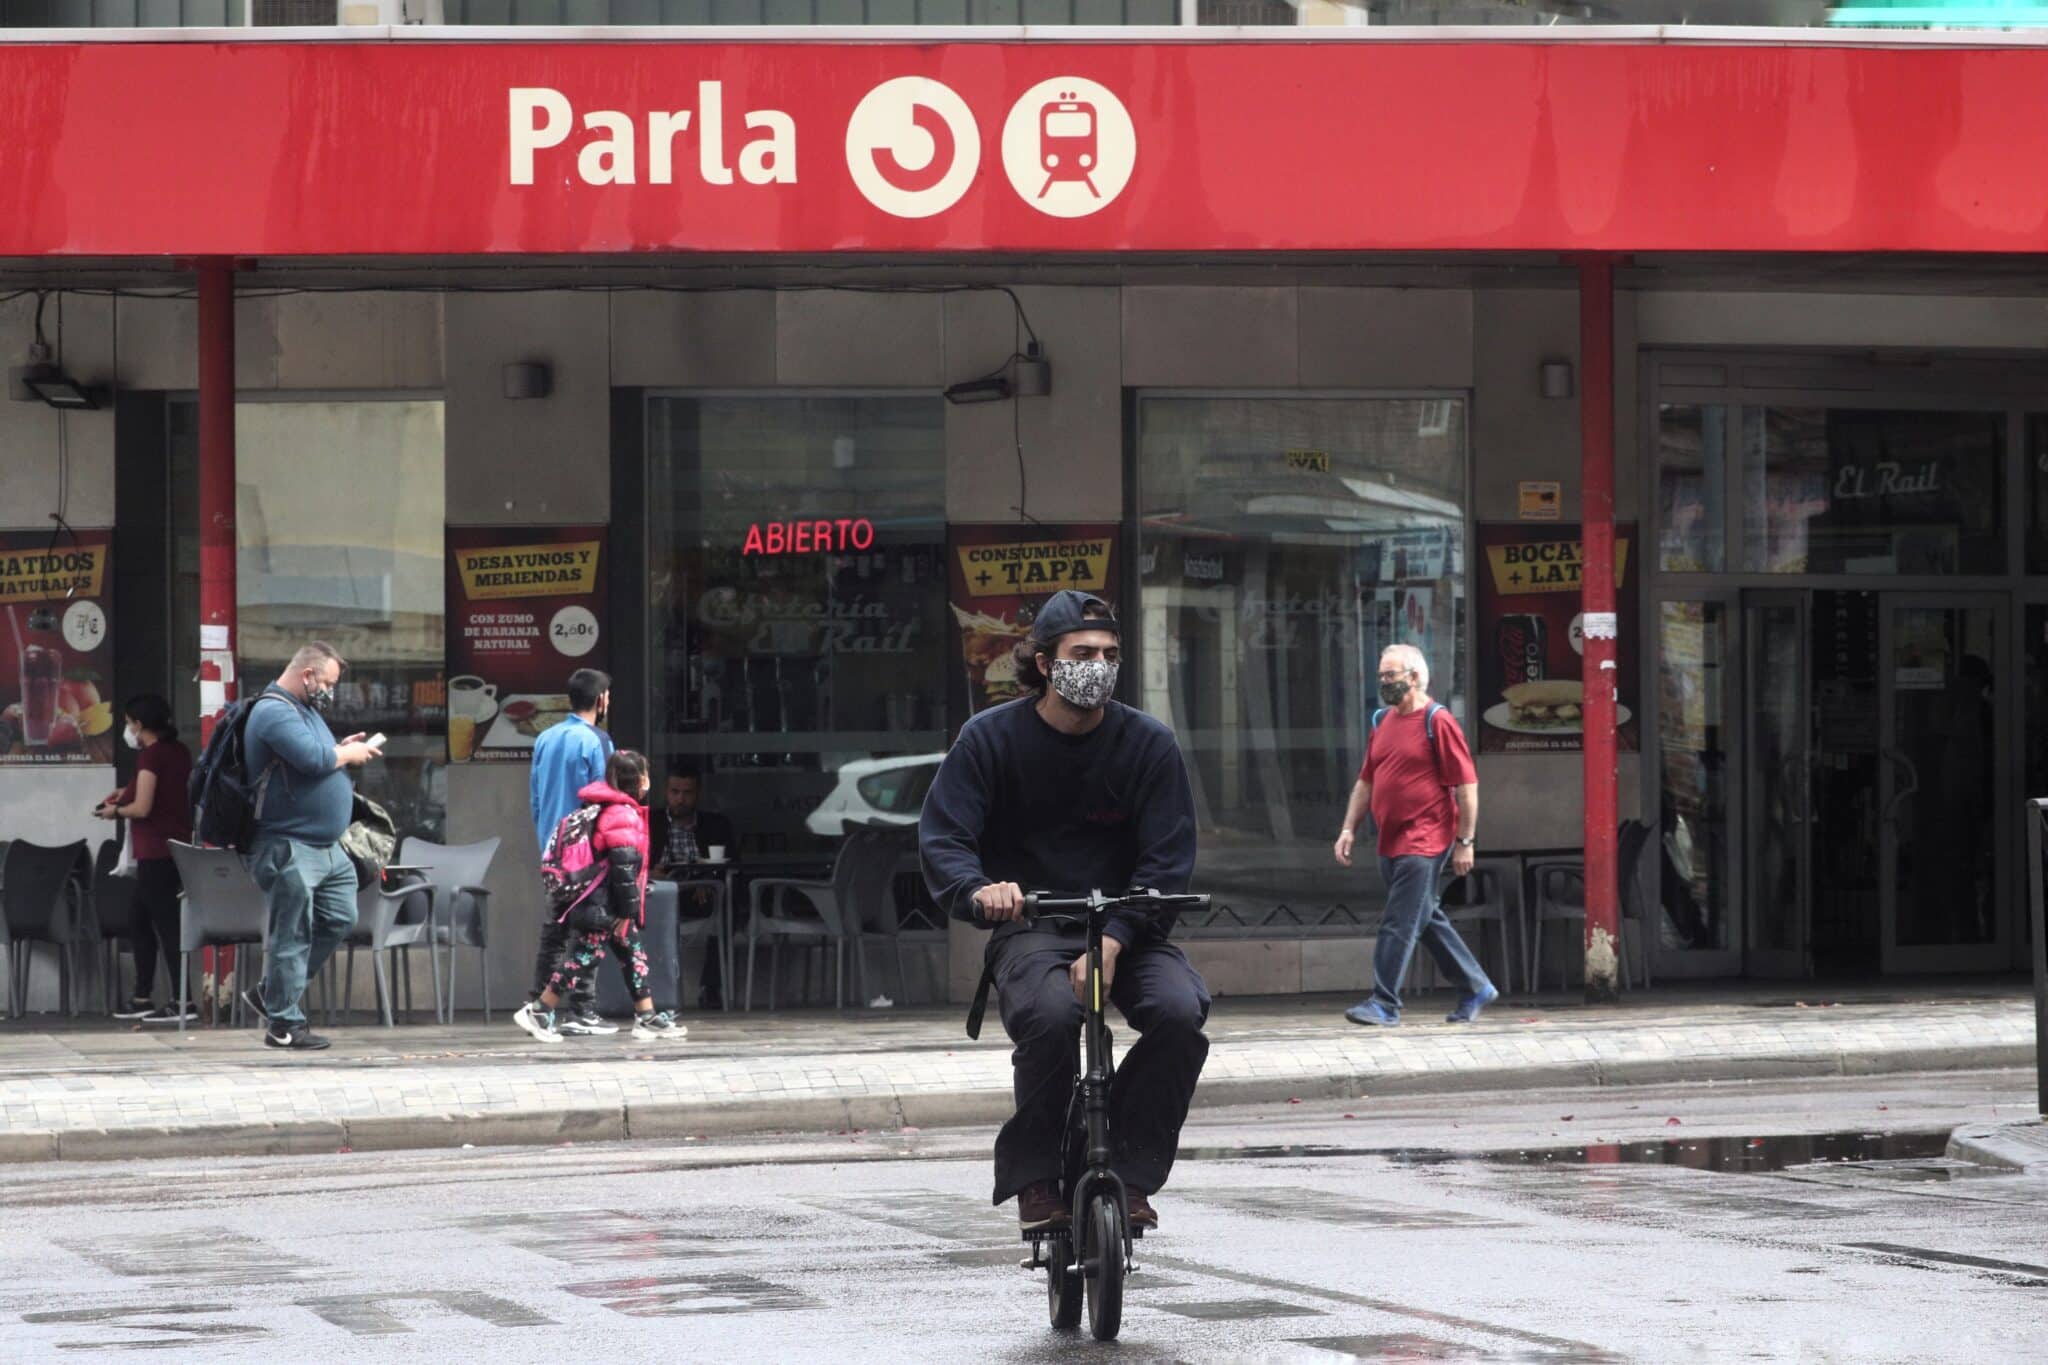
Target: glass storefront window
<point x="1693" y="831"/>
<point x="797" y="595"/>
<point x="340" y="523"/>
<point x="1283" y="543"/>
<point x="1692" y="445"/>
<point x="2037" y="492"/>
<point x="1854" y="491"/>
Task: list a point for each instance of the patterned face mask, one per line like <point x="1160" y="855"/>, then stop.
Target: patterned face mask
<point x="1086" y="683"/>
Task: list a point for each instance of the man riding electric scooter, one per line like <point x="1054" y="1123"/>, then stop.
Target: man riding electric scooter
<point x="1068" y="791"/>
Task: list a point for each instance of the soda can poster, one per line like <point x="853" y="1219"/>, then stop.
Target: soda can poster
<point x="56" y="652"/>
<point x="1000" y="576"/>
<point x="1530" y="696"/>
<point x="526" y="608"/>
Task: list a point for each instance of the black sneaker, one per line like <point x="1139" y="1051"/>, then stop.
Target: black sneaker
<point x="585" y="1021"/>
<point x="169" y="1015"/>
<point x="140" y="1009"/>
<point x="293" y="1038"/>
<point x="253" y="998"/>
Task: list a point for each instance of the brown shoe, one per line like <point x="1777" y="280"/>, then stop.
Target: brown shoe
<point x="1142" y="1213"/>
<point x="1039" y="1207"/>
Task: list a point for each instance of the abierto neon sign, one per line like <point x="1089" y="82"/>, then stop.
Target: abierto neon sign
<point x="809" y="537"/>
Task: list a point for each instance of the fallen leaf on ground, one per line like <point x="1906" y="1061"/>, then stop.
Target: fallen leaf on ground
<point x="1566" y="1118"/>
<point x="1671" y="1123"/>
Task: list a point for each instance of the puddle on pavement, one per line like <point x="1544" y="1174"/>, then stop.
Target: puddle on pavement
<point x="1740" y="1154"/>
<point x="1746" y="1155"/>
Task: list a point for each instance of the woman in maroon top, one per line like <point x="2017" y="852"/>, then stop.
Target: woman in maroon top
<point x="158" y="810"/>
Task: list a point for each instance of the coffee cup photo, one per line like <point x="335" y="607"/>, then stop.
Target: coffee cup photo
<point x="471" y="696"/>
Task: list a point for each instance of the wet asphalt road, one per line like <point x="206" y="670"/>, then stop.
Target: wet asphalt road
<point x="1580" y="1226"/>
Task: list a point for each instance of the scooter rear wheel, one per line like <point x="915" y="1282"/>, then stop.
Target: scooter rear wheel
<point x="1062" y="1286"/>
<point x="1103" y="1265"/>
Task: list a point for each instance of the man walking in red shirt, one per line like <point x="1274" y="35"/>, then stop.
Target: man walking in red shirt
<point x="1419" y="782"/>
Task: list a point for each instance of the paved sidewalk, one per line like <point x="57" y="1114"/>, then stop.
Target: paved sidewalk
<point x="93" y="1090"/>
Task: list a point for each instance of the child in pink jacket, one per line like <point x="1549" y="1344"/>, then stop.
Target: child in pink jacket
<point x="610" y="920"/>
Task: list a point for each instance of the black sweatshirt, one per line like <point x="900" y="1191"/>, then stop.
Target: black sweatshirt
<point x="1017" y="801"/>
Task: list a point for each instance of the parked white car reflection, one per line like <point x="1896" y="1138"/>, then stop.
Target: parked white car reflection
<point x="888" y="791"/>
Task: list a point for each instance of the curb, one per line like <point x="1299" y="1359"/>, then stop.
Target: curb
<point x="2021" y="1147"/>
<point x="951" y="1108"/>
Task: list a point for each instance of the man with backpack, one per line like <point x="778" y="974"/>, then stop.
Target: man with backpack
<point x="302" y="802"/>
<point x="567" y="758"/>
<point x="1419" y="783"/>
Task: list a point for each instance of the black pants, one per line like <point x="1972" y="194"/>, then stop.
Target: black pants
<point x="554" y="941"/>
<point x="156" y="912"/>
<point x="1159" y="994"/>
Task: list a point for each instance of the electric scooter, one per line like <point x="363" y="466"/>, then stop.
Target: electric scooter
<point x="1090" y="1257"/>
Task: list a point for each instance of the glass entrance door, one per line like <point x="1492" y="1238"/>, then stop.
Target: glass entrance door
<point x="1778" y="783"/>
<point x="1946" y="760"/>
<point x="1875" y="750"/>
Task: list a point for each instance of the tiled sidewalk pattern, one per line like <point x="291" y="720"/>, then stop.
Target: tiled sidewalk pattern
<point x="426" y="1086"/>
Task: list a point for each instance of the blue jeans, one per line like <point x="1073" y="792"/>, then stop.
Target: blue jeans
<point x="1415" y="910"/>
<point x="312" y="893"/>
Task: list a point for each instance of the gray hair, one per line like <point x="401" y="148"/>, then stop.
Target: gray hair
<point x="1410" y="658"/>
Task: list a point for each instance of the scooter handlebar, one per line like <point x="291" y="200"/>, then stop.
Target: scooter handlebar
<point x="1038" y="904"/>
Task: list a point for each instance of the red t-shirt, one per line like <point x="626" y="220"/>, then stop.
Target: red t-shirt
<point x="170" y="810"/>
<point x="1411" y="787"/>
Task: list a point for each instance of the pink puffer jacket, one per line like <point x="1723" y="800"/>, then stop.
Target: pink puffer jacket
<point x="620" y="840"/>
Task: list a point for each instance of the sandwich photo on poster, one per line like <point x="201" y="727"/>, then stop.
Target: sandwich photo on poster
<point x="1000" y="576"/>
<point x="526" y="608"/>
<point x="1531" y="697"/>
<point x="56" y="652"/>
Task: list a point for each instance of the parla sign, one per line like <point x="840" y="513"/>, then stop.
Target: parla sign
<point x="912" y="145"/>
<point x="612" y="147"/>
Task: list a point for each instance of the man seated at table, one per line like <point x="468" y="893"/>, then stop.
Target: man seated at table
<point x="684" y="834"/>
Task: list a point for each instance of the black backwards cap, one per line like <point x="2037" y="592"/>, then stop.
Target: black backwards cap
<point x="1063" y="614"/>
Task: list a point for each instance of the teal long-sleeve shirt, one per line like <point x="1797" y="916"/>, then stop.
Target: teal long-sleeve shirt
<point x="290" y="751"/>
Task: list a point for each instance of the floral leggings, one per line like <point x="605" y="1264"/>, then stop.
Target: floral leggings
<point x="584" y="952"/>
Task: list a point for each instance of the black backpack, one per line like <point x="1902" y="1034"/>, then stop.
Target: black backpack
<point x="224" y="798"/>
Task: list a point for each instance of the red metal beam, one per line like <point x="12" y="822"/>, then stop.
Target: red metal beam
<point x="216" y="488"/>
<point x="1596" y="474"/>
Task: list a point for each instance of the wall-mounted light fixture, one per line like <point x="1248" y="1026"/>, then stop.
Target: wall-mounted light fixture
<point x="1555" y="378"/>
<point x="39" y="381"/>
<point x="1028" y="375"/>
<point x="529" y="379"/>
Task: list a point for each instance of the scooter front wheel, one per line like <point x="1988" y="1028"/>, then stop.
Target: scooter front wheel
<point x="1062" y="1284"/>
<point x="1102" y="1264"/>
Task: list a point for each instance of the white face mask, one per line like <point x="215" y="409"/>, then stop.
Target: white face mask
<point x="1086" y="683"/>
<point x="134" y="739"/>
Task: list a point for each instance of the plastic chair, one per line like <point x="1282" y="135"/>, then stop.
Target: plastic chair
<point x="661" y="940"/>
<point x="113" y="900"/>
<point x="875" y="907"/>
<point x="461" y="914"/>
<point x="43" y="893"/>
<point x="1560" y="897"/>
<point x="389" y="922"/>
<point x="695" y="927"/>
<point x="221" y="906"/>
<point x="1473" y="901"/>
<point x="824" y="927"/>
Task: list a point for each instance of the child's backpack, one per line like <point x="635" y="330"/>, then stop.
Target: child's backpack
<point x="570" y="869"/>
